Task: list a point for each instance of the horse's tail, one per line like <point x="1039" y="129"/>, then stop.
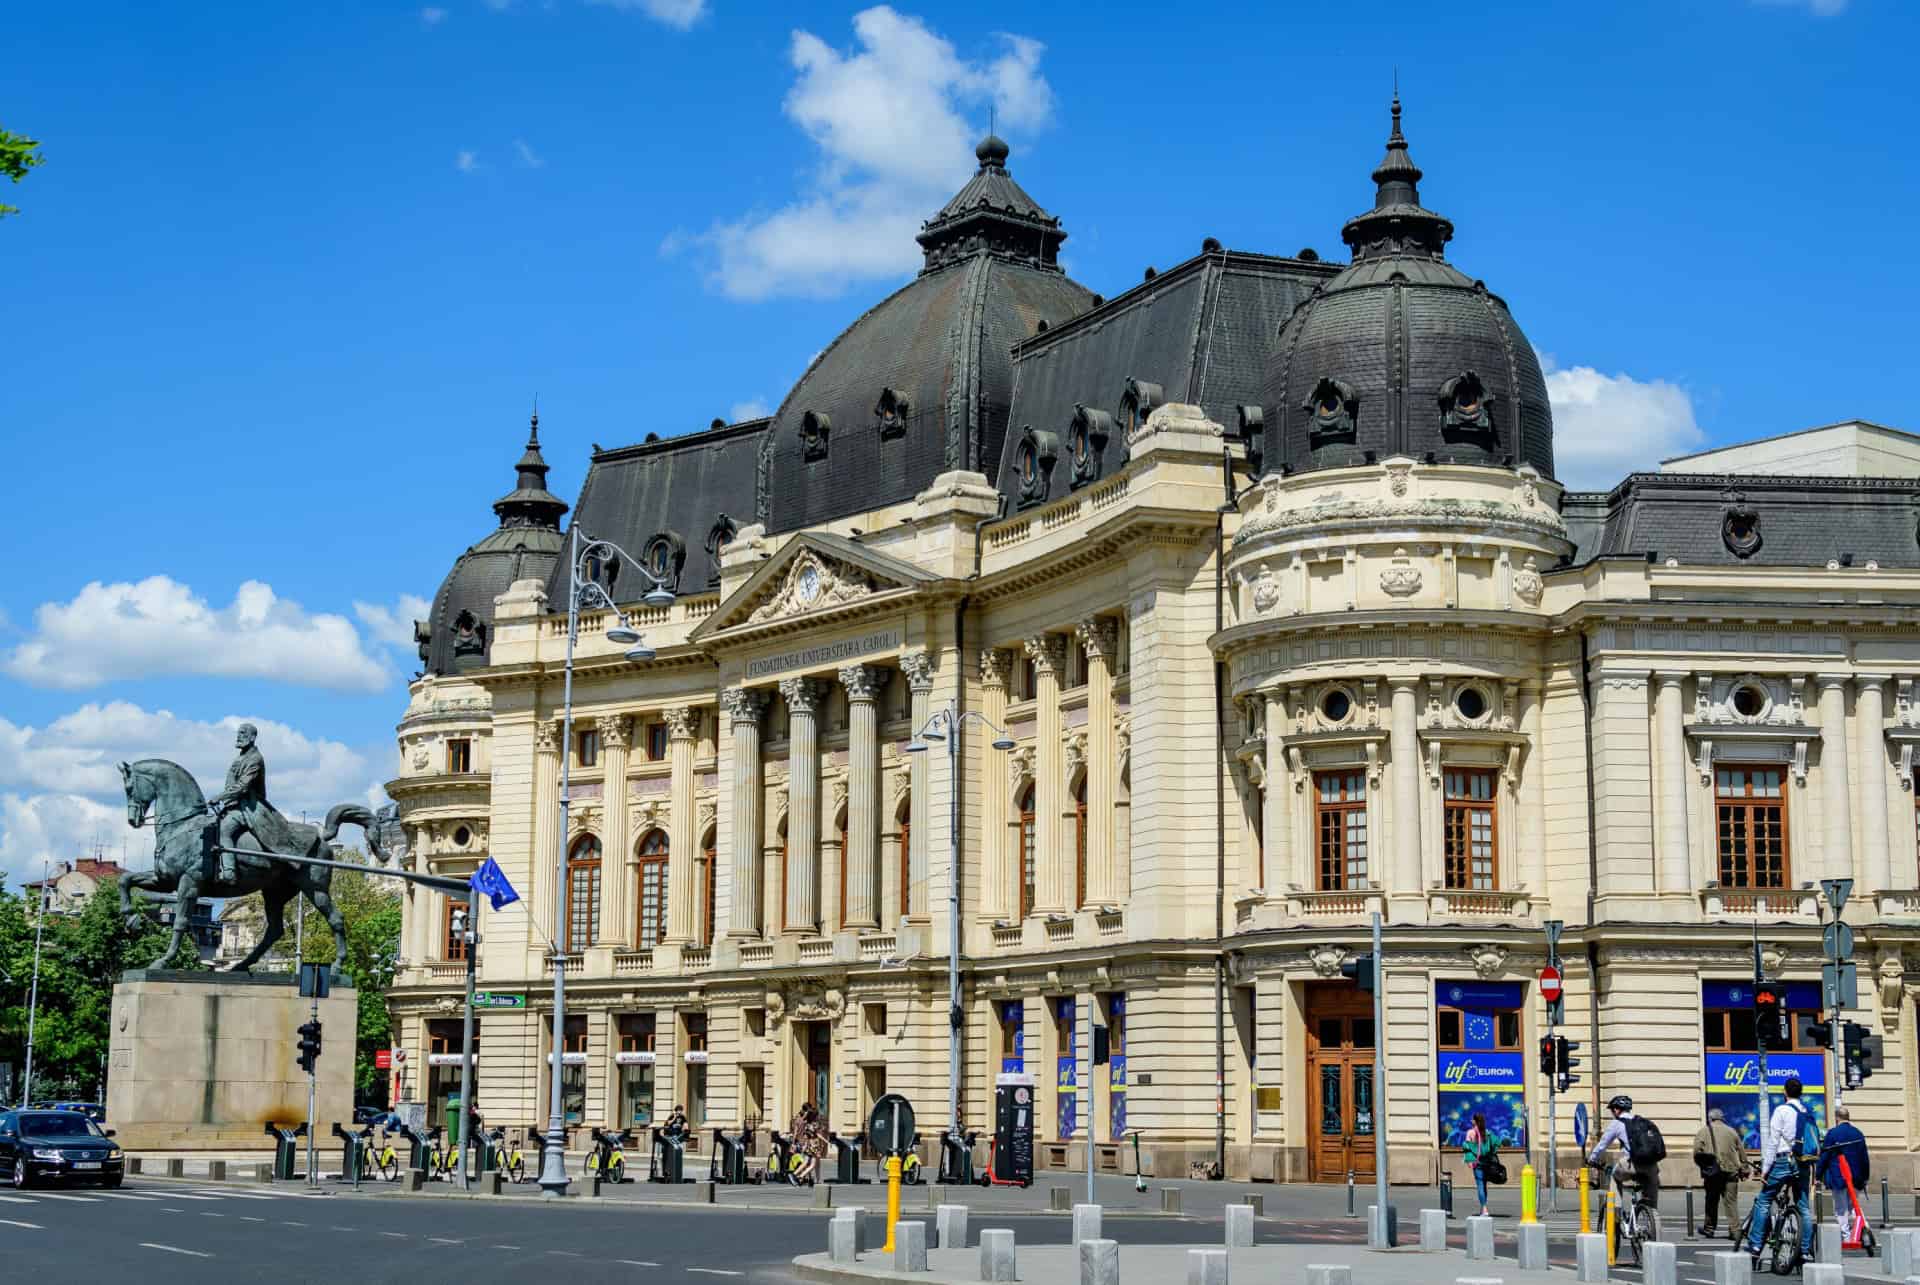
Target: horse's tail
<point x="354" y="814"/>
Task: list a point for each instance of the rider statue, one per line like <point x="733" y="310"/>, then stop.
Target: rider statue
<point x="243" y="808"/>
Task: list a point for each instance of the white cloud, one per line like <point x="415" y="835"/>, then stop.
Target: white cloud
<point x="674" y="13"/>
<point x="1818" y="8"/>
<point x="432" y="16"/>
<point x="894" y="145"/>
<point x="466" y="161"/>
<point x="1606" y="426"/>
<point x="526" y="155"/>
<point x="752" y="408"/>
<point x="60" y="789"/>
<point x="160" y="627"/>
<point x="392" y="625"/>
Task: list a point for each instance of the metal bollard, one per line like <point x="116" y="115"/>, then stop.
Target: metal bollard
<point x="1690" y="1232"/>
<point x="1529" y="1196"/>
<point x="1886" y="1206"/>
<point x="1446" y="1193"/>
<point x="1350" y="1193"/>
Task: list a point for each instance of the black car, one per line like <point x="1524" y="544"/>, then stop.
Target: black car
<point x="57" y="1145"/>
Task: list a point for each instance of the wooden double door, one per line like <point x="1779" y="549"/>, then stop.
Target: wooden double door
<point x="1341" y="1112"/>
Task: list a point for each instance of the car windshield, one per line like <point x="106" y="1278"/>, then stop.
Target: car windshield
<point x="58" y="1124"/>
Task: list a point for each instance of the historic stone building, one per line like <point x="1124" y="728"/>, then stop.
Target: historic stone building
<point x="1263" y="569"/>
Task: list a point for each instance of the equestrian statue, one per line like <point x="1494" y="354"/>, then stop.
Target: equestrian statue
<point x="201" y="848"/>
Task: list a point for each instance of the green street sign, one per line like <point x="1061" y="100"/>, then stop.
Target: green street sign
<point x="498" y="999"/>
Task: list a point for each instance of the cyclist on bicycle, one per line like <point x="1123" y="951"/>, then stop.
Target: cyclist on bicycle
<point x="1641" y="1150"/>
<point x="1789" y="1143"/>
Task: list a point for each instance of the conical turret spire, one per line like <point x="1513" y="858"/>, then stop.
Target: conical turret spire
<point x="1397" y="224"/>
<point x="530" y="503"/>
<point x="992" y="214"/>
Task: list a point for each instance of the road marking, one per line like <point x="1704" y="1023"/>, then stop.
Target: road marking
<point x="172" y="1210"/>
<point x="715" y="1271"/>
<point x="397" y="1235"/>
<point x="442" y="1240"/>
<point x="506" y="1246"/>
<point x="19" y="1200"/>
<point x="215" y="1193"/>
<point x="208" y="1213"/>
<point x="9" y="1222"/>
<point x="123" y="1195"/>
<point x="635" y="1262"/>
<point x="173" y="1249"/>
<point x="181" y="1195"/>
<point x="564" y="1253"/>
<point x="246" y="1219"/>
<point x="61" y="1195"/>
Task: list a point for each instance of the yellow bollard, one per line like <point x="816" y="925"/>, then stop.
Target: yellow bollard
<point x="893" y="1200"/>
<point x="1586" y="1210"/>
<point x="1529" y="1195"/>
<point x="1613" y="1213"/>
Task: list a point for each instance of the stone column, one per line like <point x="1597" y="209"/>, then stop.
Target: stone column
<point x="744" y="706"/>
<point x="996" y="877"/>
<point x="618" y="925"/>
<point x="683" y="837"/>
<point x="1836" y="790"/>
<point x="1675" y="867"/>
<point x="1276" y="821"/>
<point x="918" y="667"/>
<point x="1533" y="790"/>
<point x="1054" y="876"/>
<point x="1869" y="711"/>
<point x="803" y="804"/>
<point x="1404" y="745"/>
<point x="1101" y="637"/>
<point x="862" y="854"/>
<point x="547" y="839"/>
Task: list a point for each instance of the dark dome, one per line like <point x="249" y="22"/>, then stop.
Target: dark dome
<point x="922" y="384"/>
<point x="526" y="546"/>
<point x="1403" y="354"/>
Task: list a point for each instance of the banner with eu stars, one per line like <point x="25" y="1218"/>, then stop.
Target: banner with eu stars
<point x="1479" y="1078"/>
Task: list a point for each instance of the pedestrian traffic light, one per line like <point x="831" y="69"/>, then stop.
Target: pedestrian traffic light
<point x="1564" y="1062"/>
<point x="1360" y="971"/>
<point x="1854" y="1059"/>
<point x="309" y="1046"/>
<point x="1771" y="1027"/>
<point x="1549" y="1055"/>
<point x="1818" y="1033"/>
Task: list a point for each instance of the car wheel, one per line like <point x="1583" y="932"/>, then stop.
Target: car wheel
<point x="112" y="1183"/>
<point x="20" y="1179"/>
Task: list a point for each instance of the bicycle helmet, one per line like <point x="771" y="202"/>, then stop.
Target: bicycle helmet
<point x="1620" y="1102"/>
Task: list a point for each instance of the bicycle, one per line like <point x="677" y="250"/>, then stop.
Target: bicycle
<point x="440" y="1154"/>
<point x="1782" y="1239"/>
<point x="508" y="1156"/>
<point x="381" y="1159"/>
<point x="608" y="1159"/>
<point x="1638" y="1222"/>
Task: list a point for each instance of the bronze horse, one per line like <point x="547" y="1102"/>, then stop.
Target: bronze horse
<point x="186" y="865"/>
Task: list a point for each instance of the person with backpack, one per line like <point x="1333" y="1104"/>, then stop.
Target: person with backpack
<point x="1481" y="1151"/>
<point x="1641" y="1148"/>
<point x="1722" y="1159"/>
<point x="1789" y="1145"/>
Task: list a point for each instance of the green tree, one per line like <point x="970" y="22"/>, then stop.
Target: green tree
<point x="18" y="154"/>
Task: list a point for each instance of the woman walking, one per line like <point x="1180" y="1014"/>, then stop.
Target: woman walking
<point x="1477" y="1149"/>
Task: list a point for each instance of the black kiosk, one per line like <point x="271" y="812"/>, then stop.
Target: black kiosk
<point x="1012" y="1163"/>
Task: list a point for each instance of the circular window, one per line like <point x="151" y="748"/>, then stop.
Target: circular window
<point x="1026" y="464"/>
<point x="1749" y="701"/>
<point x="1471" y="702"/>
<point x="462" y="837"/>
<point x="1335" y="706"/>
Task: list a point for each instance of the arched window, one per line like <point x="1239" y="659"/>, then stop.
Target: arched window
<point x="653" y="888"/>
<point x="1080" y="843"/>
<point x="906" y="857"/>
<point x="709" y="854"/>
<point x="583" y="893"/>
<point x="1026" y="853"/>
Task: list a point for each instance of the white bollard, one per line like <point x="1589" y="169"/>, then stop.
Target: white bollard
<point x="1896" y="1252"/>
<point x="950" y="1222"/>
<point x="843" y="1241"/>
<point x="1099" y="1262"/>
<point x="1733" y="1269"/>
<point x="1433" y="1230"/>
<point x="909" y="1245"/>
<point x="1206" y="1267"/>
<point x="1086" y="1223"/>
<point x="1239" y="1226"/>
<point x="1329" y="1274"/>
<point x="1823" y="1274"/>
<point x="997" y="1255"/>
<point x="1533" y="1247"/>
<point x="1658" y="1263"/>
<point x="1480" y="1239"/>
<point x="1590" y="1257"/>
<point x="1382" y="1227"/>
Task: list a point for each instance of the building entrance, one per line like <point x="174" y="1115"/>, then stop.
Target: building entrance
<point x="816" y="1056"/>
<point x="1340" y="1080"/>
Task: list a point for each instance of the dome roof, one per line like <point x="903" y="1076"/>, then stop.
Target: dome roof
<point x="526" y="545"/>
<point x="1403" y="354"/>
<point x="922" y="383"/>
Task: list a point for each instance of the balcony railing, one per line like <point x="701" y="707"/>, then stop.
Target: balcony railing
<point x="1761" y="902"/>
<point x="1007" y="936"/>
<point x="757" y="954"/>
<point x="574" y="962"/>
<point x="816" y="950"/>
<point x="1342" y="904"/>
<point x="1478" y="903"/>
<point x="695" y="958"/>
<point x="879" y="946"/>
<point x="446" y="969"/>
<point x="629" y="963"/>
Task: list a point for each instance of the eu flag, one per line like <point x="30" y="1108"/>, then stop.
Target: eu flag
<point x="491" y="881"/>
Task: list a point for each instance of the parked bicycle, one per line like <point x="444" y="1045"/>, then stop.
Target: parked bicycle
<point x="379" y="1157"/>
<point x="507" y="1155"/>
<point x="608" y="1159"/>
<point x="441" y="1154"/>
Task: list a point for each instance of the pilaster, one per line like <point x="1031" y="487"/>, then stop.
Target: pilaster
<point x="1053" y="855"/>
<point x="1100" y="636"/>
<point x="617" y="890"/>
<point x="918" y="667"/>
<point x="683" y="839"/>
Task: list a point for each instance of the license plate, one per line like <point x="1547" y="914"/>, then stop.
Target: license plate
<point x="86" y="1164"/>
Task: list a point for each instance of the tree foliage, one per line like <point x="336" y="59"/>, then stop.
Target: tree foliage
<point x="18" y="154"/>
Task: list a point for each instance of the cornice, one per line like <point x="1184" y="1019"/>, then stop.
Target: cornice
<point x="1238" y="638"/>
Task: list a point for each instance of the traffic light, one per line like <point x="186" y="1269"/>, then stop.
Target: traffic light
<point x="309" y="1046"/>
<point x="1818" y="1033"/>
<point x="1360" y="971"/>
<point x="1771" y="1028"/>
<point x="1564" y="1062"/>
<point x="1856" y="1057"/>
<point x="1549" y="1055"/>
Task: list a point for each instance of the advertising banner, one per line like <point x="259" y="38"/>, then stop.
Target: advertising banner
<point x="1479" y="1078"/>
<point x="1732" y="1081"/>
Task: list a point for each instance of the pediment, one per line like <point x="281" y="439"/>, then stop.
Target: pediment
<point x="813" y="574"/>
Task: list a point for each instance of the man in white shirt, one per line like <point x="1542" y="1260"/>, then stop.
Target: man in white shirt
<point x="1779" y="1166"/>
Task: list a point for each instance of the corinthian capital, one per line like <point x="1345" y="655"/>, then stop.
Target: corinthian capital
<point x="1100" y="636"/>
<point x="918" y="667"/>
<point x="996" y="667"/>
<point x="863" y="682"/>
<point x="546" y="736"/>
<point x="1048" y="652"/>
<point x="615" y="730"/>
<point x="803" y="694"/>
<point x="744" y="704"/>
<point x="683" y="722"/>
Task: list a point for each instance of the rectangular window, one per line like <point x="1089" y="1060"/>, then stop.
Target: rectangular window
<point x="459" y="755"/>
<point x="1028" y="871"/>
<point x="456" y="943"/>
<point x="1470" y="831"/>
<point x="1477" y="1030"/>
<point x="876" y="1018"/>
<point x="656" y="741"/>
<point x="1751" y="811"/>
<point x="653" y="901"/>
<point x="1029" y="684"/>
<point x="1340" y="828"/>
<point x="586" y="748"/>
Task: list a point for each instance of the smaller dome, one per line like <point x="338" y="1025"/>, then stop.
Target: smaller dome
<point x="992" y="150"/>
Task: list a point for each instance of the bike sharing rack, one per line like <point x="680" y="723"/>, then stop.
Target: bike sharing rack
<point x="729" y="1163"/>
<point x="668" y="1158"/>
<point x="846" y="1159"/>
<point x="956" y="1159"/>
<point x="780" y="1158"/>
<point x="350" y="1151"/>
<point x="416" y="1148"/>
<point x="284" y="1149"/>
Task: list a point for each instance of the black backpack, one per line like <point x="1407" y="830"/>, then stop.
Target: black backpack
<point x="1645" y="1146"/>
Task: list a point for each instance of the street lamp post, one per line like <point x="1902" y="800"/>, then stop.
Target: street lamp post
<point x="946" y="725"/>
<point x="580" y="588"/>
<point x="33" y="1000"/>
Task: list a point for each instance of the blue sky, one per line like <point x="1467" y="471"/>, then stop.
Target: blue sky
<point x="279" y="301"/>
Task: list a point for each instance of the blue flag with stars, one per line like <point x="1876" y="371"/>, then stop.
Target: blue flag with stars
<point x="491" y="882"/>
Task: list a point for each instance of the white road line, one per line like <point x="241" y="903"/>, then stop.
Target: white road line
<point x="635" y="1262"/>
<point x="397" y="1235"/>
<point x="9" y="1222"/>
<point x="61" y="1195"/>
<point x="181" y="1195"/>
<point x="442" y="1240"/>
<point x="564" y="1253"/>
<point x="124" y="1195"/>
<point x="19" y="1200"/>
<point x="218" y="1194"/>
<point x="208" y="1213"/>
<point x="715" y="1271"/>
<point x="174" y="1249"/>
<point x="246" y="1219"/>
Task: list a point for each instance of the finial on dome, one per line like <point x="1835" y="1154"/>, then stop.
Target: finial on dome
<point x="1397" y="223"/>
<point x="992" y="151"/>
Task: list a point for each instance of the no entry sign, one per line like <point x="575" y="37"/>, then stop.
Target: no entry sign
<point x="1550" y="988"/>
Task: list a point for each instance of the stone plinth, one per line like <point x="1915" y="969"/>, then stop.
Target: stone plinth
<point x="203" y="1061"/>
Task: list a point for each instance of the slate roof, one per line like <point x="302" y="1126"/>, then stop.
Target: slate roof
<point x="1799" y="521"/>
<point x="1200" y="332"/>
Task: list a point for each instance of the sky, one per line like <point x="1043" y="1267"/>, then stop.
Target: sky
<point x="277" y="305"/>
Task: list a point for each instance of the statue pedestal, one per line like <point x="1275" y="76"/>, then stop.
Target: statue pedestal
<point x="204" y="1061"/>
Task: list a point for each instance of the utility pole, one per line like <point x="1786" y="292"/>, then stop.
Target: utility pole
<point x="1380" y="1088"/>
<point x="1765" y="1107"/>
<point x="313" y="1075"/>
<point x="469" y="925"/>
<point x="1839" y="986"/>
<point x="33" y="999"/>
<point x="1556" y="1010"/>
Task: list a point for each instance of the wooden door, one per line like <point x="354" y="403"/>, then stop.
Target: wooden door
<point x="1341" y="1114"/>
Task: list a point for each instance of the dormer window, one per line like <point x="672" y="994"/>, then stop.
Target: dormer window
<point x="718" y="537"/>
<point x="1740" y="527"/>
<point x="1137" y="401"/>
<point x="1466" y="410"/>
<point x="469" y="635"/>
<point x="665" y="556"/>
<point x="815" y="429"/>
<point x="890" y="415"/>
<point x="1253" y="438"/>
<point x="1033" y="460"/>
<point x="1333" y="411"/>
<point x="1087" y="443"/>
